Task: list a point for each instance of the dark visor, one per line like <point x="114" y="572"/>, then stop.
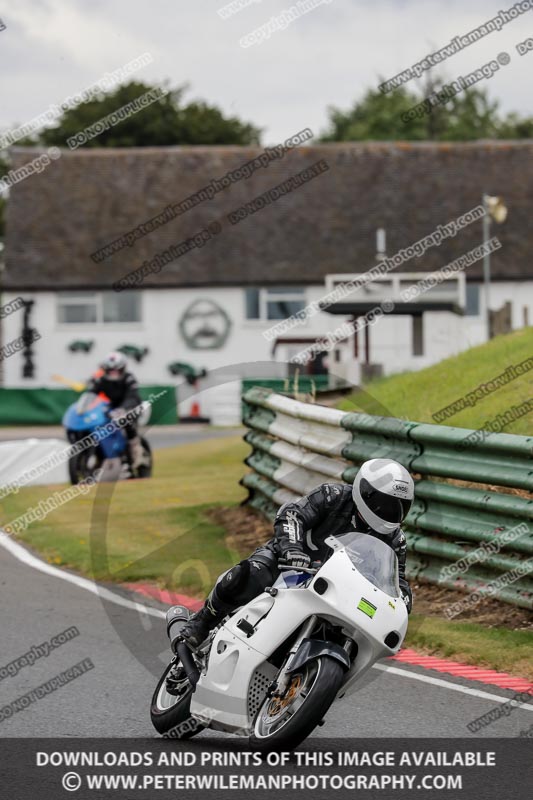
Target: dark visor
<point x="391" y="509"/>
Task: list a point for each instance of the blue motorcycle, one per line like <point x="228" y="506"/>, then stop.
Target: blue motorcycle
<point x="105" y="455"/>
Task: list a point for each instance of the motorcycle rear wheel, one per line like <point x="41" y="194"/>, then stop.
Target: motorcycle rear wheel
<point x="283" y="724"/>
<point x="145" y="470"/>
<point x="170" y="714"/>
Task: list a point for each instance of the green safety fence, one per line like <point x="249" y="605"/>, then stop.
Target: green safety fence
<point x="471" y="525"/>
<point x="47" y="406"/>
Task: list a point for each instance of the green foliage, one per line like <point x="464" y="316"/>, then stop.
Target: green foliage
<point x="515" y="127"/>
<point x="376" y="116"/>
<point x="468" y="115"/>
<point x="200" y="123"/>
<point x="164" y="122"/>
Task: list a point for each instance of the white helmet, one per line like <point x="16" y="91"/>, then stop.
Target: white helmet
<point x="114" y="366"/>
<point x="383" y="492"/>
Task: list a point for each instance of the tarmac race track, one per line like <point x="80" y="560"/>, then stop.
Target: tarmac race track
<point x="159" y="436"/>
<point x="129" y="649"/>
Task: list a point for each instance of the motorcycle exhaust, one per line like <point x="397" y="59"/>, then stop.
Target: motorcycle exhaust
<point x="191" y="670"/>
<point x="176" y="618"/>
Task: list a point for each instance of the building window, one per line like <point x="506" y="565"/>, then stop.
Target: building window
<point x="472" y="300"/>
<point x="418" y="335"/>
<point x="273" y="303"/>
<point x="121" y="306"/>
<point x="108" y="308"/>
<point x="252" y="303"/>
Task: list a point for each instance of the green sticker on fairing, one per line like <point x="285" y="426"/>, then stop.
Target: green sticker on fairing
<point x="366" y="607"/>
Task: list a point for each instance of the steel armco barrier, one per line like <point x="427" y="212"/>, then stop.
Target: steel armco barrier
<point x="297" y="446"/>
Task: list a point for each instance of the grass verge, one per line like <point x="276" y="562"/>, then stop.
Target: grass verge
<point x="418" y="395"/>
<point x="496" y="648"/>
<point x="152" y="530"/>
<point x="170" y="531"/>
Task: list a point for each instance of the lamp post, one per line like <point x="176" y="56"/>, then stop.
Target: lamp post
<point x="495" y="209"/>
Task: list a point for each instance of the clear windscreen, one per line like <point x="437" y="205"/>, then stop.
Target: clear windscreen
<point x="374" y="559"/>
<point x="85" y="402"/>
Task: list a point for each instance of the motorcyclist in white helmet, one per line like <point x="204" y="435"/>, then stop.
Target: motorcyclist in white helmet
<point x="376" y="504"/>
<point x="122" y="389"/>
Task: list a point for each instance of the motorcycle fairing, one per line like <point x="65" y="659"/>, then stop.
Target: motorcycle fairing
<point x="222" y="694"/>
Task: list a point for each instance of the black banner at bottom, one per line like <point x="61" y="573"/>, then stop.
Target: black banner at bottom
<point x="473" y="769"/>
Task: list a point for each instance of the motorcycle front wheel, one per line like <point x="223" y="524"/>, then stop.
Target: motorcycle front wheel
<point x="83" y="465"/>
<point x="170" y="712"/>
<point x="283" y="723"/>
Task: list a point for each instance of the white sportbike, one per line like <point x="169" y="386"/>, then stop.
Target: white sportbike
<point x="274" y="667"/>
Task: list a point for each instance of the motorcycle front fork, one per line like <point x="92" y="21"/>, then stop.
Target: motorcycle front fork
<point x="281" y="684"/>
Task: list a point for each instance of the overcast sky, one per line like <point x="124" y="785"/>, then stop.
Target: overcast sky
<point x="331" y="55"/>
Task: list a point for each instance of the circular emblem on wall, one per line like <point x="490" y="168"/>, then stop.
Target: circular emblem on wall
<point x="205" y="325"/>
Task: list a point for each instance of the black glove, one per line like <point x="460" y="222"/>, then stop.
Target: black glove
<point x="407" y="597"/>
<point x="296" y="558"/>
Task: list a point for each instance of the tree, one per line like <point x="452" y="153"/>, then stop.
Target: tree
<point x="467" y="115"/>
<point x="377" y="116"/>
<point x="163" y="122"/>
<point x="515" y="127"/>
<point x="471" y="115"/>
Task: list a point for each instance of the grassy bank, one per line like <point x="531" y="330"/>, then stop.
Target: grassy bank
<point x="419" y="395"/>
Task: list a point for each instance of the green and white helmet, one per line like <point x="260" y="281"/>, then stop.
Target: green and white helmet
<point x="383" y="493"/>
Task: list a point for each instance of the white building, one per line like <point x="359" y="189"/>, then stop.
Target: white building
<point x="211" y="306"/>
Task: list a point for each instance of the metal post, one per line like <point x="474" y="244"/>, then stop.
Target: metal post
<point x="355" y="338"/>
<point x="381" y="244"/>
<point x="486" y="263"/>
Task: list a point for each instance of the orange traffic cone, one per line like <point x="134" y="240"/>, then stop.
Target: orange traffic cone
<point x="195" y="414"/>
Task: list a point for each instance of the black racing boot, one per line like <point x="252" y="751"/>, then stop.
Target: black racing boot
<point x="224" y="599"/>
<point x="196" y="629"/>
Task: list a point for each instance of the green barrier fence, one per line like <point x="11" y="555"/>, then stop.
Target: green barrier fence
<point x="47" y="406"/>
<point x="471" y="525"/>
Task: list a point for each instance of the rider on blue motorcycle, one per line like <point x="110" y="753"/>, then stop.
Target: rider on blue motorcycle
<point x="122" y="389"/>
<point x="376" y="504"/>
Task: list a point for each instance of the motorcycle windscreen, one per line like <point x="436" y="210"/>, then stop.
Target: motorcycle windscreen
<point x="374" y="559"/>
<point x="86" y="414"/>
<point x="86" y="402"/>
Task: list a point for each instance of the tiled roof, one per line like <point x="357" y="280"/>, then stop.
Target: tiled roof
<point x="88" y="198"/>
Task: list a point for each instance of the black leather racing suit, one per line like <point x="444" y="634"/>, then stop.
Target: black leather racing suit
<point x="328" y="510"/>
<point x="303" y="524"/>
<point x="123" y="393"/>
